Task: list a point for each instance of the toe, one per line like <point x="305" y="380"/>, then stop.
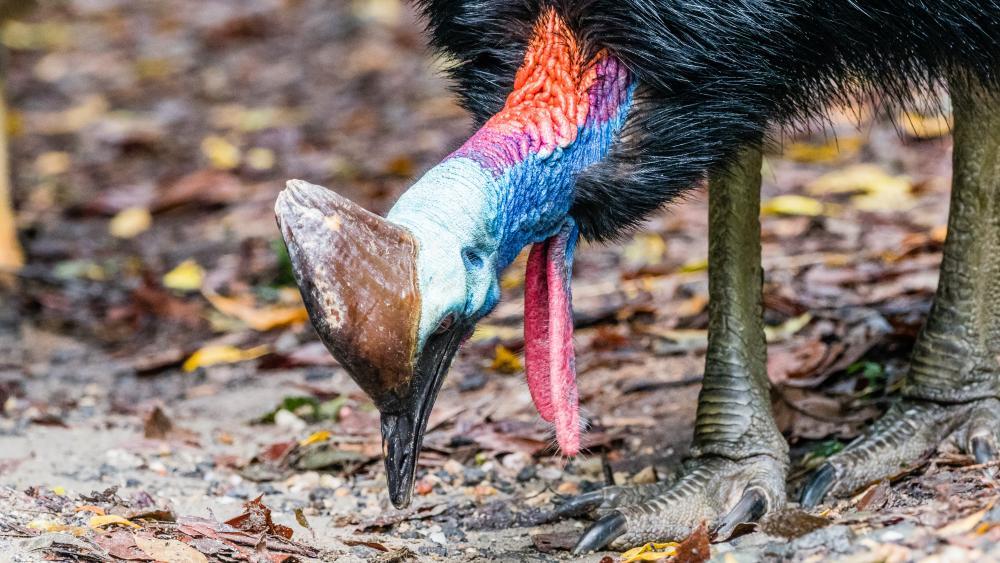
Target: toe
<point x="601" y="533"/>
<point x="580" y="505"/>
<point x="818" y="486"/>
<point x="751" y="506"/>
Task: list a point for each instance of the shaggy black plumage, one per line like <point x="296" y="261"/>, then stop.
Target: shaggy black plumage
<point x="715" y="74"/>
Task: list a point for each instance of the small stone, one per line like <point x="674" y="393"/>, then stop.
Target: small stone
<point x="550" y="473"/>
<point x="568" y="488"/>
<point x="473" y="476"/>
<point x="438" y="538"/>
<point x="320" y="493"/>
<point x="484" y="491"/>
<point x="646" y="476"/>
<point x="526" y="474"/>
<point x="472" y="381"/>
<point x="504" y="486"/>
<point x="453" y="467"/>
<point x="287" y="419"/>
<point x="423" y="487"/>
<point x="515" y="462"/>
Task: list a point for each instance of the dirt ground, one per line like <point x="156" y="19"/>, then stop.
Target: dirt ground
<point x="157" y="375"/>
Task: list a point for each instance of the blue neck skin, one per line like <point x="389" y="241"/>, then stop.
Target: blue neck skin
<point x="471" y="222"/>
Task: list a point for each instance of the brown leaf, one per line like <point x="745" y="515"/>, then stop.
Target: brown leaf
<point x="791" y="523"/>
<point x="547" y="543"/>
<point x="157" y="425"/>
<point x="257" y="520"/>
<point x="169" y="550"/>
<point x="695" y="548"/>
<point x="121" y="544"/>
<point x="205" y="187"/>
<point x="372" y="544"/>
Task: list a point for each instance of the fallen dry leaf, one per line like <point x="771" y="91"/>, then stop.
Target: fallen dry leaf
<point x="186" y="276"/>
<point x="695" y="548"/>
<point x="130" y="223"/>
<point x="650" y="552"/>
<point x="171" y="551"/>
<point x="261" y="319"/>
<point x="505" y="361"/>
<point x="104" y="520"/>
<point x="963" y="525"/>
<point x="256" y="519"/>
<point x="875" y="189"/>
<point x="791" y="204"/>
<point x="833" y="149"/>
<point x="216" y="354"/>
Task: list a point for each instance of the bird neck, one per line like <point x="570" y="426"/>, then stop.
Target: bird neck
<point x="511" y="183"/>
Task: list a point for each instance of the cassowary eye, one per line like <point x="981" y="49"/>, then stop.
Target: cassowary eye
<point x="445" y="324"/>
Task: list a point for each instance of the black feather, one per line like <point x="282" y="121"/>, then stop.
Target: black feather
<point x="715" y="74"/>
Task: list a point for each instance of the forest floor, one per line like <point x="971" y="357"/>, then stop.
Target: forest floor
<point x="157" y="376"/>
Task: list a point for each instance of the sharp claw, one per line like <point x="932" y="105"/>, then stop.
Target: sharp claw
<point x="601" y="533"/>
<point x="982" y="450"/>
<point x="752" y="505"/>
<point x="579" y="505"/>
<point x="817" y="487"/>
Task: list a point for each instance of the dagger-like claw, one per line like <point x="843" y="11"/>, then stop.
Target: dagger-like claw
<point x="982" y="449"/>
<point x="818" y="486"/>
<point x="601" y="533"/>
<point x="750" y="508"/>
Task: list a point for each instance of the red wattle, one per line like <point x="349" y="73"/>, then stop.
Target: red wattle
<point x="548" y="334"/>
<point x="536" y="330"/>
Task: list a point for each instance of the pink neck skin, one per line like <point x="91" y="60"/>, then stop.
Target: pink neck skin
<point x="548" y="337"/>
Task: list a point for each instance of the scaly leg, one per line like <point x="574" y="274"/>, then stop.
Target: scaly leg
<point x="737" y="472"/>
<point x="951" y="393"/>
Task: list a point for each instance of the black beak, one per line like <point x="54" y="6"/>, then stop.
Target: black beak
<point x="403" y="431"/>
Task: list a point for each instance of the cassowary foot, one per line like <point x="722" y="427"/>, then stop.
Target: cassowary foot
<point x="718" y="490"/>
<point x="909" y="431"/>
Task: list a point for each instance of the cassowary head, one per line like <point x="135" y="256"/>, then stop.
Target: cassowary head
<point x="393" y="298"/>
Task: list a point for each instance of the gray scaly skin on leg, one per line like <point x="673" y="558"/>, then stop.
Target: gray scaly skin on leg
<point x="951" y="392"/>
<point x="739" y="457"/>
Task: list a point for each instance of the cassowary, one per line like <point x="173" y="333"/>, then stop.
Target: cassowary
<point x="594" y="113"/>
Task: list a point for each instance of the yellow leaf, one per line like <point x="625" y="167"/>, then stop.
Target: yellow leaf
<point x="91" y="508"/>
<point x="512" y="279"/>
<point x="103" y="520"/>
<point x="320" y="436"/>
<point x="220" y="153"/>
<point x="697" y="265"/>
<point x="645" y="249"/>
<point x="789" y="328"/>
<point x="650" y="552"/>
<point x="130" y="222"/>
<point x="487" y="331"/>
<point x="505" y="361"/>
<point x="792" y="205"/>
<point x="70" y="120"/>
<point x="50" y="526"/>
<point x="59" y="490"/>
<point x="52" y="163"/>
<point x="921" y="126"/>
<point x="829" y="151"/>
<point x="173" y="551"/>
<point x="963" y="525"/>
<point x="187" y="276"/>
<point x="261" y="319"/>
<point x="260" y="158"/>
<point x="35" y="36"/>
<point x="876" y="189"/>
<point x="220" y="354"/>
